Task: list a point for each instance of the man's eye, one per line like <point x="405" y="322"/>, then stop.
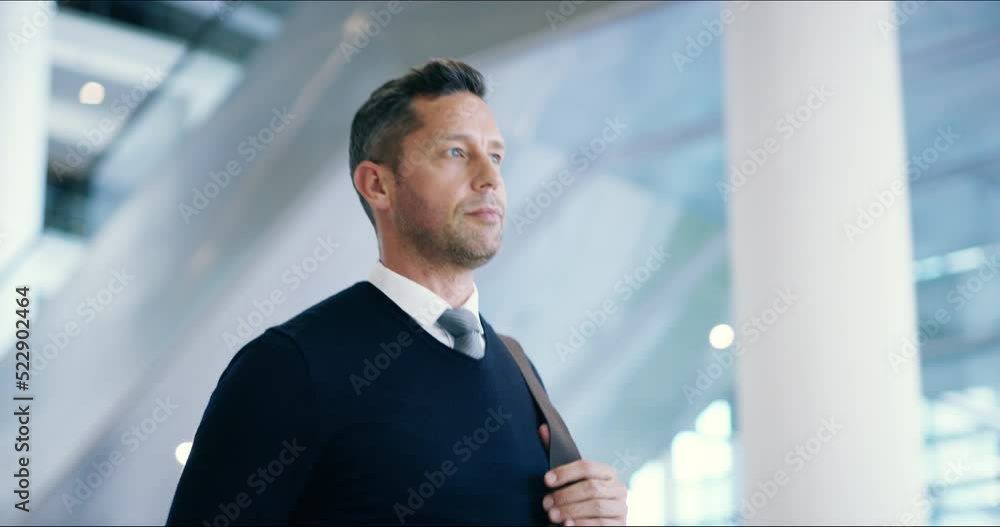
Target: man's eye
<point x="456" y="151"/>
<point x="496" y="158"/>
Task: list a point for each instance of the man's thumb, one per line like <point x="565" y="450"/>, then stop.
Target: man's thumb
<point x="543" y="432"/>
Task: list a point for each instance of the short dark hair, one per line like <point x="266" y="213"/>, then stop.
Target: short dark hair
<point x="386" y="118"/>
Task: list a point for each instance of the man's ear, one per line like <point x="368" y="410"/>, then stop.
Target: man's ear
<point x="373" y="182"/>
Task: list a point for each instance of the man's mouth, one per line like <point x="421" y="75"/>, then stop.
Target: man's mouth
<point x="489" y="214"/>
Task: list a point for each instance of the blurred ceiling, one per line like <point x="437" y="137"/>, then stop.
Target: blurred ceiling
<point x="131" y="48"/>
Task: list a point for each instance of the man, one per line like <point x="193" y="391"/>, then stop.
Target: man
<point x="394" y="401"/>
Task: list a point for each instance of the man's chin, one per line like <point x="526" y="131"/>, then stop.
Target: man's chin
<point x="479" y="256"/>
<point x="482" y="258"/>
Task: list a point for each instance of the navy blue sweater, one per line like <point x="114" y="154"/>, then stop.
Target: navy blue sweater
<point x="352" y="413"/>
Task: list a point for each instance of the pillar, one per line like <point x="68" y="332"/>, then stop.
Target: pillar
<point x="824" y="300"/>
<point x="24" y="99"/>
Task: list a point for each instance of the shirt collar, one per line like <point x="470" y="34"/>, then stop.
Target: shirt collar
<point x="424" y="305"/>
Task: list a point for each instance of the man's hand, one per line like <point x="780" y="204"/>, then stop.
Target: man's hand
<point x="594" y="495"/>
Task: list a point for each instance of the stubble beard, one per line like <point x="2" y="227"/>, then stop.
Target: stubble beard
<point x="460" y="242"/>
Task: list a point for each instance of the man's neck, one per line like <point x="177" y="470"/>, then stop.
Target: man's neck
<point x="452" y="284"/>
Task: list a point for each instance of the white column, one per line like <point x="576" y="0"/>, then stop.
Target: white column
<point x="830" y="413"/>
<point x="669" y="488"/>
<point x="24" y="100"/>
<point x="737" y="475"/>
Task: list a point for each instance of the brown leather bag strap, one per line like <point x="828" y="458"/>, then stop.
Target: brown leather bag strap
<point x="562" y="448"/>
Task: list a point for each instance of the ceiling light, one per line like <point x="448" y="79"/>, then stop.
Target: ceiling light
<point x="721" y="336"/>
<point x="182" y="452"/>
<point x="92" y="93"/>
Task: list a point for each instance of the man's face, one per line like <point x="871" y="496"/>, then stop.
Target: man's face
<point x="449" y="197"/>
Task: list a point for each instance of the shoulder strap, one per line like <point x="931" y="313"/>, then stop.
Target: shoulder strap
<point x="562" y="448"/>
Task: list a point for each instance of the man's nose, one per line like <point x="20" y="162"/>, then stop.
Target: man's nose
<point x="488" y="173"/>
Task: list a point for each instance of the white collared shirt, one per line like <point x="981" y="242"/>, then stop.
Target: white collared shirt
<point x="424" y="305"/>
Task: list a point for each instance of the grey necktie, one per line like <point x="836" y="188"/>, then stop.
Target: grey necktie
<point x="461" y="323"/>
